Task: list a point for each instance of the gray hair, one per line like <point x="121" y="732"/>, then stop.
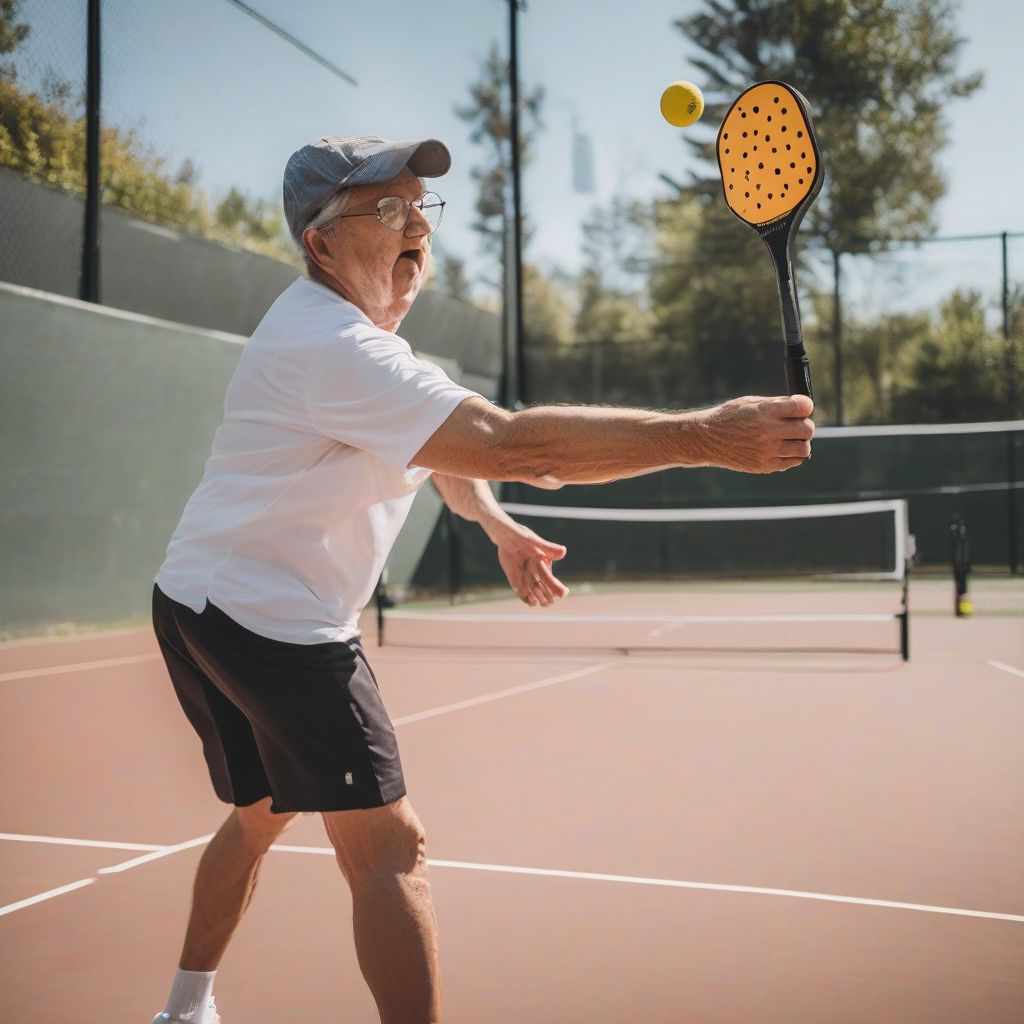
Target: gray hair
<point x="338" y="203"/>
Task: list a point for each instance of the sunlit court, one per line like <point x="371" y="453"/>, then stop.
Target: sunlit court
<point x="451" y="572"/>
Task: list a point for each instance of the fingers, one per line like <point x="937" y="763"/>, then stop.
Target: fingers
<point x="552" y="552"/>
<point x="555" y="586"/>
<point x="538" y="585"/>
<point x="795" y="406"/>
<point x="795" y="449"/>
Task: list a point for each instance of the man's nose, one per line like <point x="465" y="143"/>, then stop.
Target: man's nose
<point x="417" y="224"/>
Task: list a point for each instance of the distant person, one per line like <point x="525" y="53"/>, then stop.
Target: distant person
<point x="331" y="425"/>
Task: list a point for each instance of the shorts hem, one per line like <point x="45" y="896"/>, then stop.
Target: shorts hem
<point x="363" y="802"/>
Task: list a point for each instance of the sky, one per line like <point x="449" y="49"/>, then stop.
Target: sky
<point x="198" y="79"/>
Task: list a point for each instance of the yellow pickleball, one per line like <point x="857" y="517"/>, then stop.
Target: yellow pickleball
<point x="682" y="103"/>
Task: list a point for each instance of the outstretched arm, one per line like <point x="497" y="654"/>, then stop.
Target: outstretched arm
<point x="524" y="556"/>
<point x="550" y="446"/>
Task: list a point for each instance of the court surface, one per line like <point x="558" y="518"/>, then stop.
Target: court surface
<point x="773" y="837"/>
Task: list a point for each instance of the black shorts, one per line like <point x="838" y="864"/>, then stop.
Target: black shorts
<point x="303" y="724"/>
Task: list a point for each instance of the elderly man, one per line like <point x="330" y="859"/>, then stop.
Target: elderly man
<point x="331" y="424"/>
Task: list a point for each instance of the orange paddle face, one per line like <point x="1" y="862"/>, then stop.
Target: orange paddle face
<point x="771" y="172"/>
<point x="767" y="154"/>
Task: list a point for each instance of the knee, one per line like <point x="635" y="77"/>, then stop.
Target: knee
<point x="378" y="843"/>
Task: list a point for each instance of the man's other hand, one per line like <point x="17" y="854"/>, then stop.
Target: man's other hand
<point x="526" y="560"/>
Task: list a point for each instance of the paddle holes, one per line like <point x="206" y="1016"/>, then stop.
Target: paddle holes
<point x="777" y="171"/>
<point x="783" y="109"/>
<point x="760" y="167"/>
<point x="783" y="127"/>
<point x="792" y="165"/>
<point x="799" y="135"/>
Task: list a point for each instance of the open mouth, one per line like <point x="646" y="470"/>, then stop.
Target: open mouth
<point x="416" y="255"/>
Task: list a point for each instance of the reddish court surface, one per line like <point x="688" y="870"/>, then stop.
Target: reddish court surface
<point x="671" y="777"/>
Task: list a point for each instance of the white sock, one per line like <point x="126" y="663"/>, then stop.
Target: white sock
<point x="190" y="994"/>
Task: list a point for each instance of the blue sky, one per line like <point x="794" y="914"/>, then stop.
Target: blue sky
<point x="200" y="80"/>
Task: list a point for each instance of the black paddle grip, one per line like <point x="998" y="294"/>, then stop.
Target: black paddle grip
<point x="798" y="376"/>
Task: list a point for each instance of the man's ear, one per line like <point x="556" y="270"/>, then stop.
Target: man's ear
<point x="315" y="244"/>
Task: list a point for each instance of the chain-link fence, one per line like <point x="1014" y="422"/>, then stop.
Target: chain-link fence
<point x="42" y="145"/>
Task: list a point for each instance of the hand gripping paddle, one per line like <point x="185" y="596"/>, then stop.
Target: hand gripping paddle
<point x="771" y="171"/>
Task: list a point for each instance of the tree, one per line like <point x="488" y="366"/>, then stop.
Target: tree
<point x="487" y="112"/>
<point x="879" y="75"/>
<point x="955" y="372"/>
<point x="12" y="34"/>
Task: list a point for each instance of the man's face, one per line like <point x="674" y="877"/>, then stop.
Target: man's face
<point x="376" y="268"/>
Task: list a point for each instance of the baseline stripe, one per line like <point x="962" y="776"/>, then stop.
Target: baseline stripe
<point x="589" y="876"/>
<point x="11" y="907"/>
<point x="81" y="666"/>
<point x="502" y="694"/>
<point x="1003" y="667"/>
<point x="714" y="887"/>
<point x="61" y="841"/>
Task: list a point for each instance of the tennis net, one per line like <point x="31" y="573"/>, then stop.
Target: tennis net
<point x="826" y="576"/>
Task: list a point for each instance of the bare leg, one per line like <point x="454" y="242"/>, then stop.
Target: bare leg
<point x="382" y="853"/>
<point x="225" y="881"/>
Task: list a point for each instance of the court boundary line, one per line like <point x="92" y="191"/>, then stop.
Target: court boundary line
<point x="512" y="691"/>
<point x="509" y="869"/>
<point x="1003" y="667"/>
<point x="79" y="666"/>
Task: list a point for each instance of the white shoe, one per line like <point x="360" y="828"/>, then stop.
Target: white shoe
<point x="211" y="1016"/>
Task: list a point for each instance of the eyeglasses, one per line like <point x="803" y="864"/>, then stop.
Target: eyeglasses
<point x="393" y="211"/>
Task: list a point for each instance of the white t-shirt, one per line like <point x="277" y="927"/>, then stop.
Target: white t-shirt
<point x="307" y="483"/>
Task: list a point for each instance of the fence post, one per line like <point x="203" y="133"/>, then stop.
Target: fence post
<point x="837" y="339"/>
<point x="89" y="282"/>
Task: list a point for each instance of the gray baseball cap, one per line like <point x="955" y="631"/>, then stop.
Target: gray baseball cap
<point x="335" y="162"/>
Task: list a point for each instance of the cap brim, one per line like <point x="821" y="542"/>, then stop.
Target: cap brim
<point x="426" y="158"/>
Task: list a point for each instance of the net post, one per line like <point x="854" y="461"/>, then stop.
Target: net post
<point x="905" y="545"/>
<point x="453" y="552"/>
<point x="1011" y="499"/>
<point x="381" y="601"/>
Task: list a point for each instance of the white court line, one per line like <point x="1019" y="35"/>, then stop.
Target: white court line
<point x="1002" y="666"/>
<point x="714" y="887"/>
<point x="445" y="709"/>
<point x="60" y="841"/>
<point x="163" y="851"/>
<point x="81" y="666"/>
<point x="671" y="619"/>
<point x="11" y="907"/>
<point x="670" y="883"/>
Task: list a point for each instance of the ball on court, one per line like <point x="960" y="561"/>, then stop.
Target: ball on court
<point x="682" y="103"/>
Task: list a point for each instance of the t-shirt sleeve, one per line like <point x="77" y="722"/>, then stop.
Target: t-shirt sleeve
<point x="367" y="389"/>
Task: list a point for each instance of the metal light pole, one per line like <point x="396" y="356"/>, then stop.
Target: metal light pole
<point x="518" y="392"/>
